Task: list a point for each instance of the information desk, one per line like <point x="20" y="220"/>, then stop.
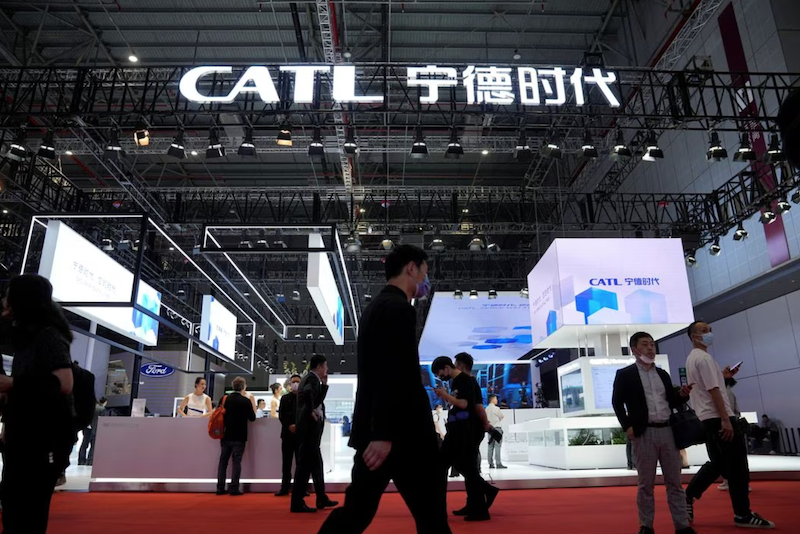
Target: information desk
<point x="176" y="454"/>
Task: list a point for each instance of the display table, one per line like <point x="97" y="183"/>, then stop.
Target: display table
<point x="176" y="454"/>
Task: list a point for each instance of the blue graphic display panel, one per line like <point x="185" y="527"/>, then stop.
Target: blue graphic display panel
<point x="511" y="382"/>
<point x="572" y="392"/>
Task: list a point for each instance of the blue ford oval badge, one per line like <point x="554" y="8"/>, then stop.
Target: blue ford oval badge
<point x="156" y="369"/>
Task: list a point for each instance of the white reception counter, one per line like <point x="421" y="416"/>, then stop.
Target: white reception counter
<point x="176" y="454"/>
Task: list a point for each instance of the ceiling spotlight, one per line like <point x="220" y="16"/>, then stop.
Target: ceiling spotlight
<point x="387" y="243"/>
<point x="353" y="243"/>
<point x="740" y="233"/>
<point x="476" y="245"/>
<point x="552" y="145"/>
<point x="690" y="258"/>
<point x="419" y="150"/>
<point x="367" y="297"/>
<point x="652" y="152"/>
<point x="68" y="152"/>
<point x="347" y="54"/>
<point x="48" y="148"/>
<point x="215" y="148"/>
<point x="316" y="148"/>
<point x="181" y="294"/>
<point x="796" y="197"/>
<point x="108" y="245"/>
<point x="142" y="135"/>
<point x="485" y="152"/>
<point x="454" y="149"/>
<point x="133" y="58"/>
<point x="113" y="149"/>
<point x="516" y="55"/>
<point x="493" y="247"/>
<point x="458" y="294"/>
<point x="437" y="244"/>
<point x="177" y="148"/>
<point x="245" y="243"/>
<point x="262" y="243"/>
<point x="285" y="135"/>
<point x="295" y="295"/>
<point x="523" y="149"/>
<point x="523" y="293"/>
<point x="620" y="149"/>
<point x="774" y="152"/>
<point x="193" y="152"/>
<point x="18" y="151"/>
<point x="246" y="294"/>
<point x="297" y="335"/>
<point x="492" y="294"/>
<point x="248" y="147"/>
<point x="715" y="248"/>
<point x="350" y="145"/>
<point x="783" y="205"/>
<point x="768" y="216"/>
<point x="715" y="150"/>
<point x="473" y="294"/>
<point x="589" y="150"/>
<point x="745" y="151"/>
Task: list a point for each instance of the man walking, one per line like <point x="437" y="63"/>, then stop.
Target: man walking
<point x="289" y="447"/>
<point x="495" y="417"/>
<point x="643" y="399"/>
<point x="310" y="424"/>
<point x="727" y="452"/>
<point x="393" y="432"/>
<point x="90" y="434"/>
<point x="238" y="411"/>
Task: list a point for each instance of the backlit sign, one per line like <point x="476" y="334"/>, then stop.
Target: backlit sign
<point x="218" y="327"/>
<point x="324" y="291"/>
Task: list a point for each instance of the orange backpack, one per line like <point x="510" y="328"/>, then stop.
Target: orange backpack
<point x="216" y="423"/>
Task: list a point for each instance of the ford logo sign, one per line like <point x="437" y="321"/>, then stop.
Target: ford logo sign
<point x="156" y="369"/>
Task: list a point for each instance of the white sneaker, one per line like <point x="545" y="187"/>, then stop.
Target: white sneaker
<point x="723" y="486"/>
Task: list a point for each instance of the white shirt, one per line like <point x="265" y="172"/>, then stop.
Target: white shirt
<point x="259" y="413"/>
<point x="655" y="395"/>
<point x="704" y="372"/>
<point x="494" y="416"/>
<point x="196" y="407"/>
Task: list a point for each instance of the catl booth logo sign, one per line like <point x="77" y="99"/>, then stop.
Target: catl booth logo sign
<point x="491" y="85"/>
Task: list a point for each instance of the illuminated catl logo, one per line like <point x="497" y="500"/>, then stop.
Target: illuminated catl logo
<point x="491" y="85"/>
<point x="604" y="282"/>
<point x="156" y="369"/>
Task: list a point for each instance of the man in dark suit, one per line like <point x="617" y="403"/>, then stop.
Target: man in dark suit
<point x="643" y="400"/>
<point x="238" y="411"/>
<point x="393" y="432"/>
<point x="310" y="424"/>
<point x="287" y="413"/>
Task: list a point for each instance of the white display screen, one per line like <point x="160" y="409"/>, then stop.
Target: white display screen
<point x="324" y="291"/>
<point x="573" y="396"/>
<point x="603" y="380"/>
<point x="491" y="330"/>
<point x="81" y="272"/>
<point x="218" y="327"/>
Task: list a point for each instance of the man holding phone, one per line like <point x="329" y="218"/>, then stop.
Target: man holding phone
<point x="727" y="451"/>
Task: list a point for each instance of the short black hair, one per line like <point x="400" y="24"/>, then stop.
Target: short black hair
<point x="295" y="376"/>
<point x="637" y="336"/>
<point x="102" y="400"/>
<point x="491" y="396"/>
<point x="401" y="256"/>
<point x="274" y="387"/>
<point x="690" y="329"/>
<point x="317" y="360"/>
<point x="259" y="401"/>
<point x="466" y="360"/>
<point x="198" y="379"/>
<point x="440" y="363"/>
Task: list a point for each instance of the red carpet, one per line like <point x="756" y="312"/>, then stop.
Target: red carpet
<point x="553" y="511"/>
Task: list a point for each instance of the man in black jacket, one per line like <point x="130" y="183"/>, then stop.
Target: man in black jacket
<point x="310" y="424"/>
<point x="287" y="413"/>
<point x="393" y="432"/>
<point x="643" y="399"/>
<point x="238" y="411"/>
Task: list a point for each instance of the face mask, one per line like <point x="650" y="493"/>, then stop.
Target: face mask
<point x="708" y="339"/>
<point x="295" y="387"/>
<point x="646" y="359"/>
<point x="423" y="288"/>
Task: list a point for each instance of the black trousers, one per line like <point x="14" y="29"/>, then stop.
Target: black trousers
<point x="460" y="451"/>
<point x="235" y="449"/>
<point x="309" y="465"/>
<point x="289" y="451"/>
<point x="88" y="441"/>
<point x="417" y="474"/>
<point x="29" y="478"/>
<point x="727" y="459"/>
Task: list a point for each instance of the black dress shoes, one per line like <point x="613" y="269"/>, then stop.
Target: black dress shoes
<point x="282" y="493"/>
<point x="464" y="511"/>
<point x="326" y="504"/>
<point x="303" y="510"/>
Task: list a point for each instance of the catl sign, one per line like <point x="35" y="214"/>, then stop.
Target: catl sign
<point x="483" y="84"/>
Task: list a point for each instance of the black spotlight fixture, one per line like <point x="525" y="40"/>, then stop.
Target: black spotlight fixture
<point x="768" y="216"/>
<point x="248" y="147"/>
<point x="47" y="150"/>
<point x="652" y="151"/>
<point x="350" y="145"/>
<point x="18" y="151"/>
<point x="177" y="148"/>
<point x="745" y="151"/>
<point x="419" y="150"/>
<point x="783" y="205"/>
<point x="492" y="294"/>
<point x="796" y="197"/>
<point x="740" y="233"/>
<point x="715" y="150"/>
<point x="523" y="149"/>
<point x="690" y="258"/>
<point x="715" y="248"/>
<point x="316" y="149"/>
<point x="285" y="134"/>
<point x="620" y="149"/>
<point x="552" y="145"/>
<point x="215" y="148"/>
<point x="142" y="135"/>
<point x="774" y="151"/>
<point x="113" y="149"/>
<point x="458" y="294"/>
<point x="589" y="150"/>
<point x="454" y="148"/>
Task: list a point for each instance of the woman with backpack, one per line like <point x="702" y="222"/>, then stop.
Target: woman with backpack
<point x="37" y="443"/>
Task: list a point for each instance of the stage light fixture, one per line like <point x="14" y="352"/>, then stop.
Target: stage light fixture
<point x="193" y="152"/>
<point x="262" y="243"/>
<point x="473" y="294"/>
<point x="107" y="245"/>
<point x="454" y="148"/>
<point x="796" y="197"/>
<point x="745" y="151"/>
<point x="353" y="243"/>
<point x="248" y="147"/>
<point x="523" y="149"/>
<point x="285" y="135"/>
<point x="715" y="248"/>
<point x="458" y="294"/>
<point x="493" y="247"/>
<point x="652" y="151"/>
<point x="419" y="150"/>
<point x="316" y="148"/>
<point x="245" y="243"/>
<point x="485" y="152"/>
<point x="492" y="294"/>
<point x="177" y="148"/>
<point x="476" y="245"/>
<point x="589" y="150"/>
<point x="350" y="145"/>
<point x="387" y="243"/>
<point x="133" y="58"/>
<point x="620" y="149"/>
<point x="740" y="233"/>
<point x="774" y="151"/>
<point x="690" y="258"/>
<point x="768" y="216"/>
<point x="295" y="295"/>
<point x="47" y="150"/>
<point x="552" y="146"/>
<point x="783" y="205"/>
<point x="523" y="293"/>
<point x="142" y="135"/>
<point x="18" y="150"/>
<point x="715" y="150"/>
<point x="215" y="148"/>
<point x="517" y="56"/>
<point x="113" y="149"/>
<point x="437" y="244"/>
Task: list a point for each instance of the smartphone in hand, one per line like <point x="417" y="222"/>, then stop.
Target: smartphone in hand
<point x="735" y="367"/>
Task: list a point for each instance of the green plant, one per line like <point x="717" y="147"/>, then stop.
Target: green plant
<point x="584" y="437"/>
<point x="617" y="437"/>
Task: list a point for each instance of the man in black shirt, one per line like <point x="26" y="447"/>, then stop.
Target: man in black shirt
<point x="238" y="411"/>
<point x="393" y="431"/>
<point x="287" y="413"/>
<point x="458" y="448"/>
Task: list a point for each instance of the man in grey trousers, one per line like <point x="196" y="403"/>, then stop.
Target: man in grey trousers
<point x="643" y="400"/>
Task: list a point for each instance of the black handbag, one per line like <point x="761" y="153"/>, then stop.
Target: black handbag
<point x="687" y="429"/>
